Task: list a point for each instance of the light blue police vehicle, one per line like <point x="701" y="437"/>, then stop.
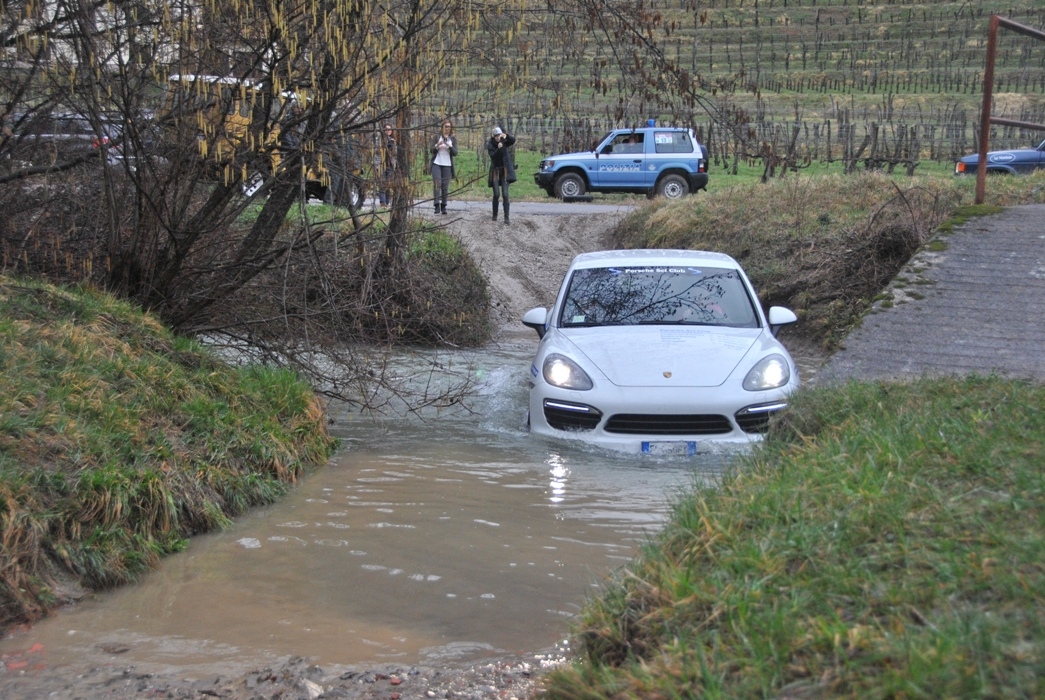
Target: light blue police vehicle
<point x="650" y="160"/>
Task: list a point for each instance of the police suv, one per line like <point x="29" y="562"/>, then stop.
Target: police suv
<point x="651" y="160"/>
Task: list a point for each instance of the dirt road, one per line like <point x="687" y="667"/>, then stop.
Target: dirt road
<point x="525" y="262"/>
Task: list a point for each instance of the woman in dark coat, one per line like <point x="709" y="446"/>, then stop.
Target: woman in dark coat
<point x="502" y="169"/>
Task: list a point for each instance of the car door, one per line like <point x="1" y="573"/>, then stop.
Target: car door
<point x="1031" y="160"/>
<point x="620" y="162"/>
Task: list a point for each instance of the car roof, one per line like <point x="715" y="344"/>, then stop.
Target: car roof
<point x="645" y="127"/>
<point x="651" y="129"/>
<point x="603" y="258"/>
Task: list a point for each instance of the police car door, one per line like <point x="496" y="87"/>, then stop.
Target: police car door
<point x="621" y="161"/>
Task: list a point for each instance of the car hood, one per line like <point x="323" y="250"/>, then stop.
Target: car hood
<point x="664" y="356"/>
<point x="571" y="156"/>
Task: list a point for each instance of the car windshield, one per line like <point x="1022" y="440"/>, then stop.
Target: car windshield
<point x="669" y="295"/>
<point x="602" y="142"/>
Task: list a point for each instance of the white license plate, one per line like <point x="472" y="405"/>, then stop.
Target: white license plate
<point x="664" y="448"/>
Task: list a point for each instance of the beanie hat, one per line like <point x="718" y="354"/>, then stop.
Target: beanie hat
<point x="497" y="131"/>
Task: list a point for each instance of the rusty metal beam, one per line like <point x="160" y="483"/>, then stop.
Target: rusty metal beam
<point x="985" y="109"/>
<point x="1020" y="28"/>
<point x="1021" y="125"/>
<point x="988" y="89"/>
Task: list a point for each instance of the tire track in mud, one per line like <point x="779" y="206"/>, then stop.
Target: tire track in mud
<point x="525" y="262"/>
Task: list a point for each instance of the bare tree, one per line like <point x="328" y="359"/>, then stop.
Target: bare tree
<point x="222" y="119"/>
<point x="621" y="45"/>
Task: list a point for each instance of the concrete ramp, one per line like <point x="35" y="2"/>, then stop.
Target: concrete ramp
<point x="975" y="307"/>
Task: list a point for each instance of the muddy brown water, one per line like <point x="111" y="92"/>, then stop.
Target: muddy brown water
<point x="444" y="539"/>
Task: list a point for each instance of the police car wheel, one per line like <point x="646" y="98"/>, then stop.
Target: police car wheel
<point x="569" y="185"/>
<point x="673" y="187"/>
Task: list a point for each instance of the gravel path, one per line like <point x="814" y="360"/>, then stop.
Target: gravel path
<point x="525" y="262"/>
<point x="290" y="680"/>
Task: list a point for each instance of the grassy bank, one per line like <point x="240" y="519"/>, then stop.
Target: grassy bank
<point x="119" y="440"/>
<point x="825" y="245"/>
<point x="886" y="541"/>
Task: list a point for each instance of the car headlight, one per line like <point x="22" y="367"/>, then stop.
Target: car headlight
<point x="771" y="372"/>
<point x="563" y="372"/>
<point x="547" y="164"/>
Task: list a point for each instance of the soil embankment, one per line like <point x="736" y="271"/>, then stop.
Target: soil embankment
<point x="525" y="262"/>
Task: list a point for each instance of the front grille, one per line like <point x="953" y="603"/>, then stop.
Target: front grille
<point x="655" y="424"/>
<point x="755" y="419"/>
<point x="563" y="415"/>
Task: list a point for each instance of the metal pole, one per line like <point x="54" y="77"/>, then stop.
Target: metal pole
<point x="985" y="110"/>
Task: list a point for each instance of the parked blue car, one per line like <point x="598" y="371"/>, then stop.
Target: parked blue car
<point x="1019" y="160"/>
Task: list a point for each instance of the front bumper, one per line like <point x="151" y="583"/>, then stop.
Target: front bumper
<point x="620" y="420"/>
<point x="544" y="179"/>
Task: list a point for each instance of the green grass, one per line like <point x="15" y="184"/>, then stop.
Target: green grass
<point x="118" y="440"/>
<point x="886" y="541"/>
<point x="962" y="214"/>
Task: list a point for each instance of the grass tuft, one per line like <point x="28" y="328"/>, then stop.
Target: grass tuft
<point x="884" y="541"/>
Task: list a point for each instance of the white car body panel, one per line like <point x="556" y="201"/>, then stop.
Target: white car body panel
<point x="637" y="356"/>
<point x="657" y="370"/>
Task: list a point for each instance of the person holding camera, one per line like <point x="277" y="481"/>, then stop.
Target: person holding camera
<point x="502" y="169"/>
<point x="444" y="150"/>
<point x="390" y="167"/>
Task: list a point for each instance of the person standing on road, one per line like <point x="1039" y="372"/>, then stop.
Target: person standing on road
<point x="390" y="166"/>
<point x="502" y="169"/>
<point x="343" y="167"/>
<point x="444" y="150"/>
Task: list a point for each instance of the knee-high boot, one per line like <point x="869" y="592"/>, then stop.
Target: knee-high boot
<point x="495" y="210"/>
<point x="505" y="211"/>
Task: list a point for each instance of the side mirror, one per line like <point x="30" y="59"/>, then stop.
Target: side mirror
<point x="536" y="319"/>
<point x="779" y="316"/>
